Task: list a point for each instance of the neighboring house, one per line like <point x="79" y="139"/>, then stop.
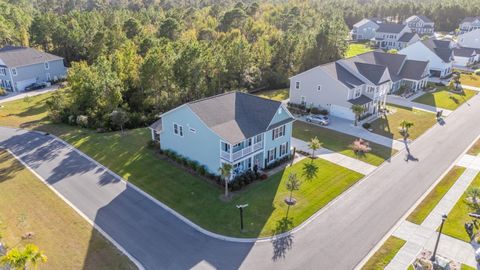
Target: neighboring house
<point x="236" y="128"/>
<point x="465" y="57"/>
<point x="470" y="39"/>
<point x="439" y="53"/>
<point x="365" y="29"/>
<point x="420" y="24"/>
<point x="364" y="80"/>
<point x="394" y="36"/>
<point x="469" y="24"/>
<point x="21" y="67"/>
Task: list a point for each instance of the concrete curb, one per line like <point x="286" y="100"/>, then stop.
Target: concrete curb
<point x="92" y="223"/>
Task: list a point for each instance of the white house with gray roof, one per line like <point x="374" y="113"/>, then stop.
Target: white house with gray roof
<point x="365" y="29"/>
<point x="394" y="36"/>
<point x="469" y="24"/>
<point x="21" y="67"/>
<point x="236" y="128"/>
<point x="420" y="24"/>
<point x="364" y="80"/>
<point x="439" y="53"/>
<point x="470" y="39"/>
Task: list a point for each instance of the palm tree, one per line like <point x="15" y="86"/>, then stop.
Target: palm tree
<point x="18" y="259"/>
<point x="225" y="170"/>
<point x="314" y="145"/>
<point x="405" y="125"/>
<point x="357" y="110"/>
<point x="474" y="194"/>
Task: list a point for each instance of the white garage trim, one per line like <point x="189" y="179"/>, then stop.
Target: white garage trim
<point x="20" y="86"/>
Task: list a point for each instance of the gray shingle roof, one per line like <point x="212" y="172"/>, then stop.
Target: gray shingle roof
<point x="361" y="100"/>
<point x="21" y="56"/>
<point x="406" y="37"/>
<point x="465" y="52"/>
<point x="470" y="19"/>
<point x="157" y="125"/>
<point x="440" y="48"/>
<point x="413" y="69"/>
<point x="393" y="28"/>
<point x="423" y="18"/>
<point x="340" y="73"/>
<point x="372" y="72"/>
<point x="236" y="116"/>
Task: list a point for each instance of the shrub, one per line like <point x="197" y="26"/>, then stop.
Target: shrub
<point x="366" y="125"/>
<point x="153" y="144"/>
<point x="263" y="176"/>
<point x="82" y="120"/>
<point x="3" y="92"/>
<point x="477" y="72"/>
<point x="315" y="110"/>
<point x="202" y="170"/>
<point x="324" y="112"/>
<point x="72" y="120"/>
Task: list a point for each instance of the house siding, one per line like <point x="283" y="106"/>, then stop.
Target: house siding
<point x="29" y="74"/>
<point x="470" y="39"/>
<point x="365" y="31"/>
<point x="418" y="51"/>
<point x="270" y="143"/>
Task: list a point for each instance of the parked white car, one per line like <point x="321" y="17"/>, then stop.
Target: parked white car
<point x="318" y="119"/>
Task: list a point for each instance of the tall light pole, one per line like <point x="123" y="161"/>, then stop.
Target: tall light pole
<point x="240" y="207"/>
<point x="433" y="258"/>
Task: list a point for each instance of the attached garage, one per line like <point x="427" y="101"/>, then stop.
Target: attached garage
<point x="342" y="112"/>
<point x="20" y="86"/>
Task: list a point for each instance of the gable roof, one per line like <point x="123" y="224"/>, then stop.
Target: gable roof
<point x="440" y="47"/>
<point x="406" y="37"/>
<point x="394" y="28"/>
<point x="236" y="116"/>
<point x="372" y="72"/>
<point x="470" y="19"/>
<point x="392" y="61"/>
<point x="421" y="17"/>
<point x="413" y="69"/>
<point x="13" y="56"/>
<point x="361" y="100"/>
<point x="338" y="72"/>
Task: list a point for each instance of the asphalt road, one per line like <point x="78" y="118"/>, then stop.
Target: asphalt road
<point x="339" y="238"/>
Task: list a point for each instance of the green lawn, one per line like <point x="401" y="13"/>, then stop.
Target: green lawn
<point x="66" y="238"/>
<point x="356" y="49"/>
<point x="385" y="254"/>
<point x="475" y="149"/>
<point x="389" y="126"/>
<point x="339" y="142"/>
<point x="198" y="200"/>
<point x="466" y="267"/>
<point x="278" y="95"/>
<point x="454" y="226"/>
<point x="432" y="199"/>
<point x="470" y="80"/>
<point x="445" y="99"/>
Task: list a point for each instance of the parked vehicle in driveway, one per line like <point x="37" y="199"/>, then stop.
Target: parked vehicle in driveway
<point x="318" y="119"/>
<point x="36" y="86"/>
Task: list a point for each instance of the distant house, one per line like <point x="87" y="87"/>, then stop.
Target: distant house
<point x="420" y="24"/>
<point x="364" y="80"/>
<point x="236" y="128"/>
<point x="365" y="29"/>
<point x="394" y="36"/>
<point x="470" y="39"/>
<point x="465" y="57"/>
<point x="439" y="53"/>
<point x="469" y="24"/>
<point x="21" y="67"/>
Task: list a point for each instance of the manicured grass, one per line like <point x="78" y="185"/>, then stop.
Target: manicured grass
<point x="66" y="238"/>
<point x="466" y="267"/>
<point x="445" y="99"/>
<point x="198" y="200"/>
<point x="385" y="254"/>
<point x="20" y="113"/>
<point x="470" y="80"/>
<point x="278" y="95"/>
<point x="454" y="225"/>
<point x="475" y="149"/>
<point x="389" y="126"/>
<point x="339" y="142"/>
<point x="432" y="199"/>
<point x="356" y="49"/>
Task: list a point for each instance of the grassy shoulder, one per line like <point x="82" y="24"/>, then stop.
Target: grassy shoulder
<point x="385" y="254"/>
<point x="454" y="225"/>
<point x="446" y="99"/>
<point x="339" y="142"/>
<point x="475" y="149"/>
<point x="67" y="239"/>
<point x="432" y="199"/>
<point x="470" y="80"/>
<point x="278" y="94"/>
<point x="129" y="156"/>
<point x="356" y="49"/>
<point x="389" y="125"/>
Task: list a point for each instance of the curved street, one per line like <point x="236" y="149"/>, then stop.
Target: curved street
<point x="339" y="238"/>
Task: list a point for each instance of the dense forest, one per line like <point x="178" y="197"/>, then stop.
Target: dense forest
<point x="148" y="56"/>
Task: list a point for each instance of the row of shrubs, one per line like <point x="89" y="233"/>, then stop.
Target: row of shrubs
<point x="244" y="179"/>
<point x="279" y="162"/>
<point x="301" y="108"/>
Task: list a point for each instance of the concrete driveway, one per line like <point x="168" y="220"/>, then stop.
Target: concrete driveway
<point x="339" y="236"/>
<point x="20" y="95"/>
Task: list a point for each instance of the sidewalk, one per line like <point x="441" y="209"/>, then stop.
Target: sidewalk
<point x="400" y="101"/>
<point x="339" y="159"/>
<point x="423" y="236"/>
<point x="471" y="87"/>
<point x="20" y="95"/>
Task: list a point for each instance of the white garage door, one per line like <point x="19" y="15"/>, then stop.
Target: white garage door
<point x="342" y="112"/>
<point x="22" y="84"/>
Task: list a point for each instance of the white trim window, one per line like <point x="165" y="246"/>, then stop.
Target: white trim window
<point x="3" y="71"/>
<point x="319" y="88"/>
<point x="177" y="129"/>
<point x="283" y="149"/>
<point x="47" y="65"/>
<point x="278" y="132"/>
<point x="14" y="71"/>
<point x="271" y="154"/>
<point x="297" y="85"/>
<point x="49" y="78"/>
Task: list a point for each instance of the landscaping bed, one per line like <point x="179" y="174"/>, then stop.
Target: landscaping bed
<point x="66" y="238"/>
<point x="389" y="125"/>
<point x="432" y="199"/>
<point x="445" y="98"/>
<point x="340" y="142"/>
<point x="385" y="254"/>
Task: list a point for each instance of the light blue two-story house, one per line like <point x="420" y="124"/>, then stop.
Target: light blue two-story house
<point x="21" y="67"/>
<point x="236" y="128"/>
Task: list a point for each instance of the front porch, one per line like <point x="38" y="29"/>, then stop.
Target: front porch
<point x="233" y="153"/>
